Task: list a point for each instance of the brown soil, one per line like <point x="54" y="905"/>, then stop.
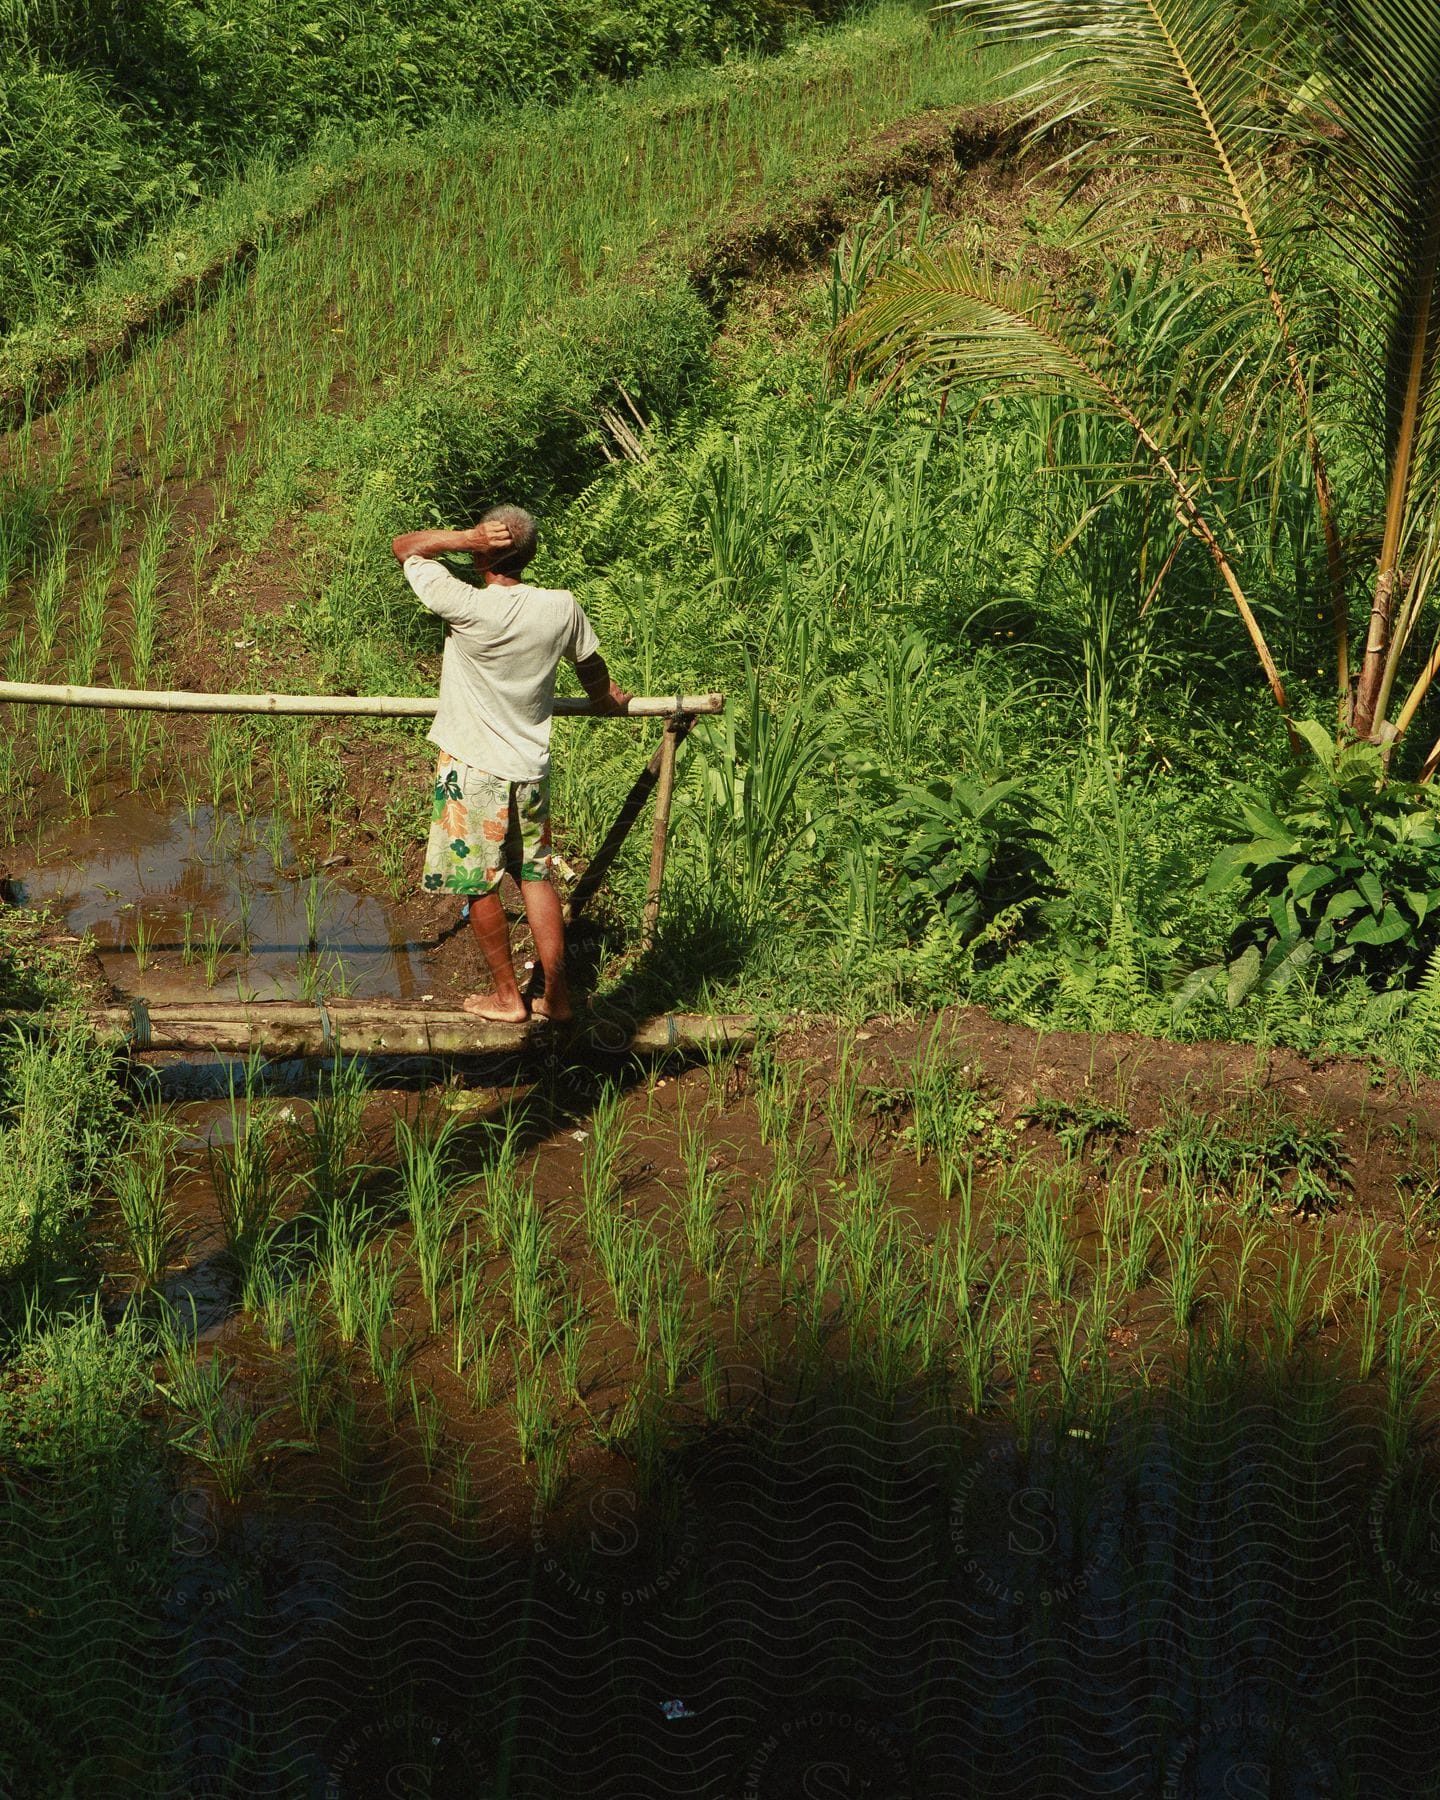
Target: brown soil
<point x="1390" y="1132"/>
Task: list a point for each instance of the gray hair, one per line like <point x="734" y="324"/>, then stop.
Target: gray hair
<point x="523" y="531"/>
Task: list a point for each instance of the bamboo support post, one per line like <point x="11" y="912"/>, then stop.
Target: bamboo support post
<point x="296" y="1028"/>
<point x="674" y="732"/>
<point x="338" y="706"/>
<point x="599" y="864"/>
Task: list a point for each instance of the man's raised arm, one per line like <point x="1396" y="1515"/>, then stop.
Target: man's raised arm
<point x="436" y="543"/>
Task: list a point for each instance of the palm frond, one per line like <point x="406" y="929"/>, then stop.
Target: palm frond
<point x="1189" y="96"/>
<point x="1183" y="88"/>
<point x="971" y="325"/>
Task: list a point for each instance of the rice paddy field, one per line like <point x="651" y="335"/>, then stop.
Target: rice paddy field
<point x="1007" y="1367"/>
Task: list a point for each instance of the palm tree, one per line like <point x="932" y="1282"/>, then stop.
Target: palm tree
<point x="1282" y="128"/>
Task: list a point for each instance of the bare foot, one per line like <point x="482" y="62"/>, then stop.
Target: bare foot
<point x="558" y="1013"/>
<point x="501" y="1012"/>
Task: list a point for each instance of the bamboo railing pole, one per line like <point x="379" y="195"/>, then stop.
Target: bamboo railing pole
<point x="365" y="706"/>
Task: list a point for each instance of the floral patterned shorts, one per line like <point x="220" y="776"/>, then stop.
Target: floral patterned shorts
<point x="482" y="825"/>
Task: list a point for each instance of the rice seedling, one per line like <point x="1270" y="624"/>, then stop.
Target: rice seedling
<point x="892" y="1348"/>
<point x="789" y="1241"/>
<point x="842" y="1105"/>
<point x="243" y="1174"/>
<point x="387" y="1348"/>
<point x="1335" y="1284"/>
<point x="530" y="1246"/>
<point x="625" y="1250"/>
<point x="47" y="599"/>
<point x="1409" y="1371"/>
<point x="507" y="1193"/>
<point x="1016" y="1332"/>
<point x="140" y="942"/>
<point x="214" y="942"/>
<point x="189" y="797"/>
<point x="868" y="1238"/>
<point x="467" y="1273"/>
<point x="461" y="1499"/>
<point x="781" y="1107"/>
<point x="275" y="840"/>
<point x="951" y="1117"/>
<point x="140" y="1176"/>
<point x="771" y="1205"/>
<point x="571" y="1336"/>
<point x="137" y="728"/>
<point x="813" y="1300"/>
<point x="1140" y="1235"/>
<point x="223" y="1427"/>
<point x="1251" y="1238"/>
<point x="429" y="1419"/>
<point x="265" y="1292"/>
<point x="604" y="1147"/>
<point x="532" y="1410"/>
<point x="674" y="1323"/>
<point x="325" y="1145"/>
<point x="1047" y="1239"/>
<point x="313" y="892"/>
<point x="424" y="1154"/>
<point x="311" y="1365"/>
<point x="701" y="1199"/>
<point x="145" y="593"/>
<point x="714" y="1389"/>
<point x="481" y="1360"/>
<point x="340" y="1261"/>
<point x="1290" y="1297"/>
<point x="349" y="1434"/>
<point x="1070" y="1338"/>
<point x="1186" y="1251"/>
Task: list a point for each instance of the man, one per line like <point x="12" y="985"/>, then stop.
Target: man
<point x="492" y="782"/>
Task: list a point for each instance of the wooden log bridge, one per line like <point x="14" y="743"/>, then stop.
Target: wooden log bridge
<point x="307" y="1028"/>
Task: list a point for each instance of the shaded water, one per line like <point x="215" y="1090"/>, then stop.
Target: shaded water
<point x="178" y="902"/>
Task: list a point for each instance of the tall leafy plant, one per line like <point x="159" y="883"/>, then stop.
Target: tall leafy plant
<point x="1273" y="128"/>
<point x="1337" y="867"/>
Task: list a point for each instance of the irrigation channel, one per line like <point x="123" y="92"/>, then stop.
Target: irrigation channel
<point x="671" y="1410"/>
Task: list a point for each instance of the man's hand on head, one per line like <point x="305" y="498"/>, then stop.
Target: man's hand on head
<point x="489" y="536"/>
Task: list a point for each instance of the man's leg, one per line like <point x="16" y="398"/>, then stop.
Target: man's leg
<point x="542" y="903"/>
<point x="547" y="927"/>
<point x="492" y="932"/>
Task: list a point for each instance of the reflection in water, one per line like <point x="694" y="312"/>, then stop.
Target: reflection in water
<point x="218" y="899"/>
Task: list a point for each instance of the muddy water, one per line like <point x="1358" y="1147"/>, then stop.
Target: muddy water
<point x="178" y="903"/>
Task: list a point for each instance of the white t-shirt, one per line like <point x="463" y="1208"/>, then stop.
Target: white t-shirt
<point x="497" y="677"/>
